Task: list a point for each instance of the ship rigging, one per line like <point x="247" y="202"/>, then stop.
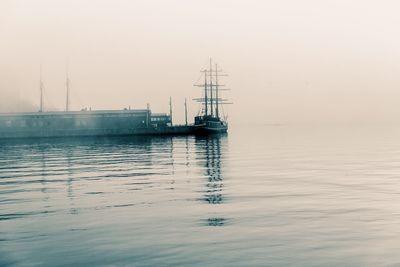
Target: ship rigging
<point x="209" y="120"/>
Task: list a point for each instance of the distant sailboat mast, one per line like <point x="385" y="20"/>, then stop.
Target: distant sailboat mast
<point x="41" y="91"/>
<point x="211" y="90"/>
<point x="216" y="92"/>
<point x="205" y="92"/>
<point x="186" y="118"/>
<point x="170" y="109"/>
<point x="67" y="84"/>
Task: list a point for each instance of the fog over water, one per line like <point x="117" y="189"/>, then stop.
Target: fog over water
<point x="272" y="192"/>
<point x="288" y="61"/>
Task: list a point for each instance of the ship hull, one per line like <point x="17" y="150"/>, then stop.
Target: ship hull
<point x="204" y="125"/>
<point x="208" y="131"/>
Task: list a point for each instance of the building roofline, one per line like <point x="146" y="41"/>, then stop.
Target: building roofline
<point x="83" y="112"/>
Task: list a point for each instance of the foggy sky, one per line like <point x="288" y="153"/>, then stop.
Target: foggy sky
<point x="288" y="61"/>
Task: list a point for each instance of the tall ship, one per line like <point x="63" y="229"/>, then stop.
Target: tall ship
<point x="211" y="119"/>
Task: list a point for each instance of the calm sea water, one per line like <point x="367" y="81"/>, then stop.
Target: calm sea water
<point x="260" y="196"/>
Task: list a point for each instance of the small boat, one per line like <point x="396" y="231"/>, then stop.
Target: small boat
<point x="209" y="120"/>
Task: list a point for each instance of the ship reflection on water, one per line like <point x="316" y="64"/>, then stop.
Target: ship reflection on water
<point x="182" y="201"/>
<point x="210" y="149"/>
<point x="66" y="195"/>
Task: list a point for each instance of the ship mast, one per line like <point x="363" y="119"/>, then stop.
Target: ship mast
<point x="41" y="91"/>
<point x="205" y="93"/>
<point x="211" y="99"/>
<point x="186" y="120"/>
<point x="67" y="100"/>
<point x="211" y="90"/>
<point x="216" y="92"/>
<point x="170" y="109"/>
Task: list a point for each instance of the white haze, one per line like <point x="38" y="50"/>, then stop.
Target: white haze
<point x="288" y="61"/>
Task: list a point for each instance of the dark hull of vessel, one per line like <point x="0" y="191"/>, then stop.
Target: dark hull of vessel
<point x="206" y="130"/>
<point x="204" y="125"/>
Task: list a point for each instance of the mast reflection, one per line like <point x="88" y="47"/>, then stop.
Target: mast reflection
<point x="209" y="149"/>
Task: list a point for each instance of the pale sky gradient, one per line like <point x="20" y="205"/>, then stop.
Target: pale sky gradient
<point x="288" y="61"/>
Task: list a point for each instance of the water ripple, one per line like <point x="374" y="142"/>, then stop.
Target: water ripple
<point x="266" y="196"/>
